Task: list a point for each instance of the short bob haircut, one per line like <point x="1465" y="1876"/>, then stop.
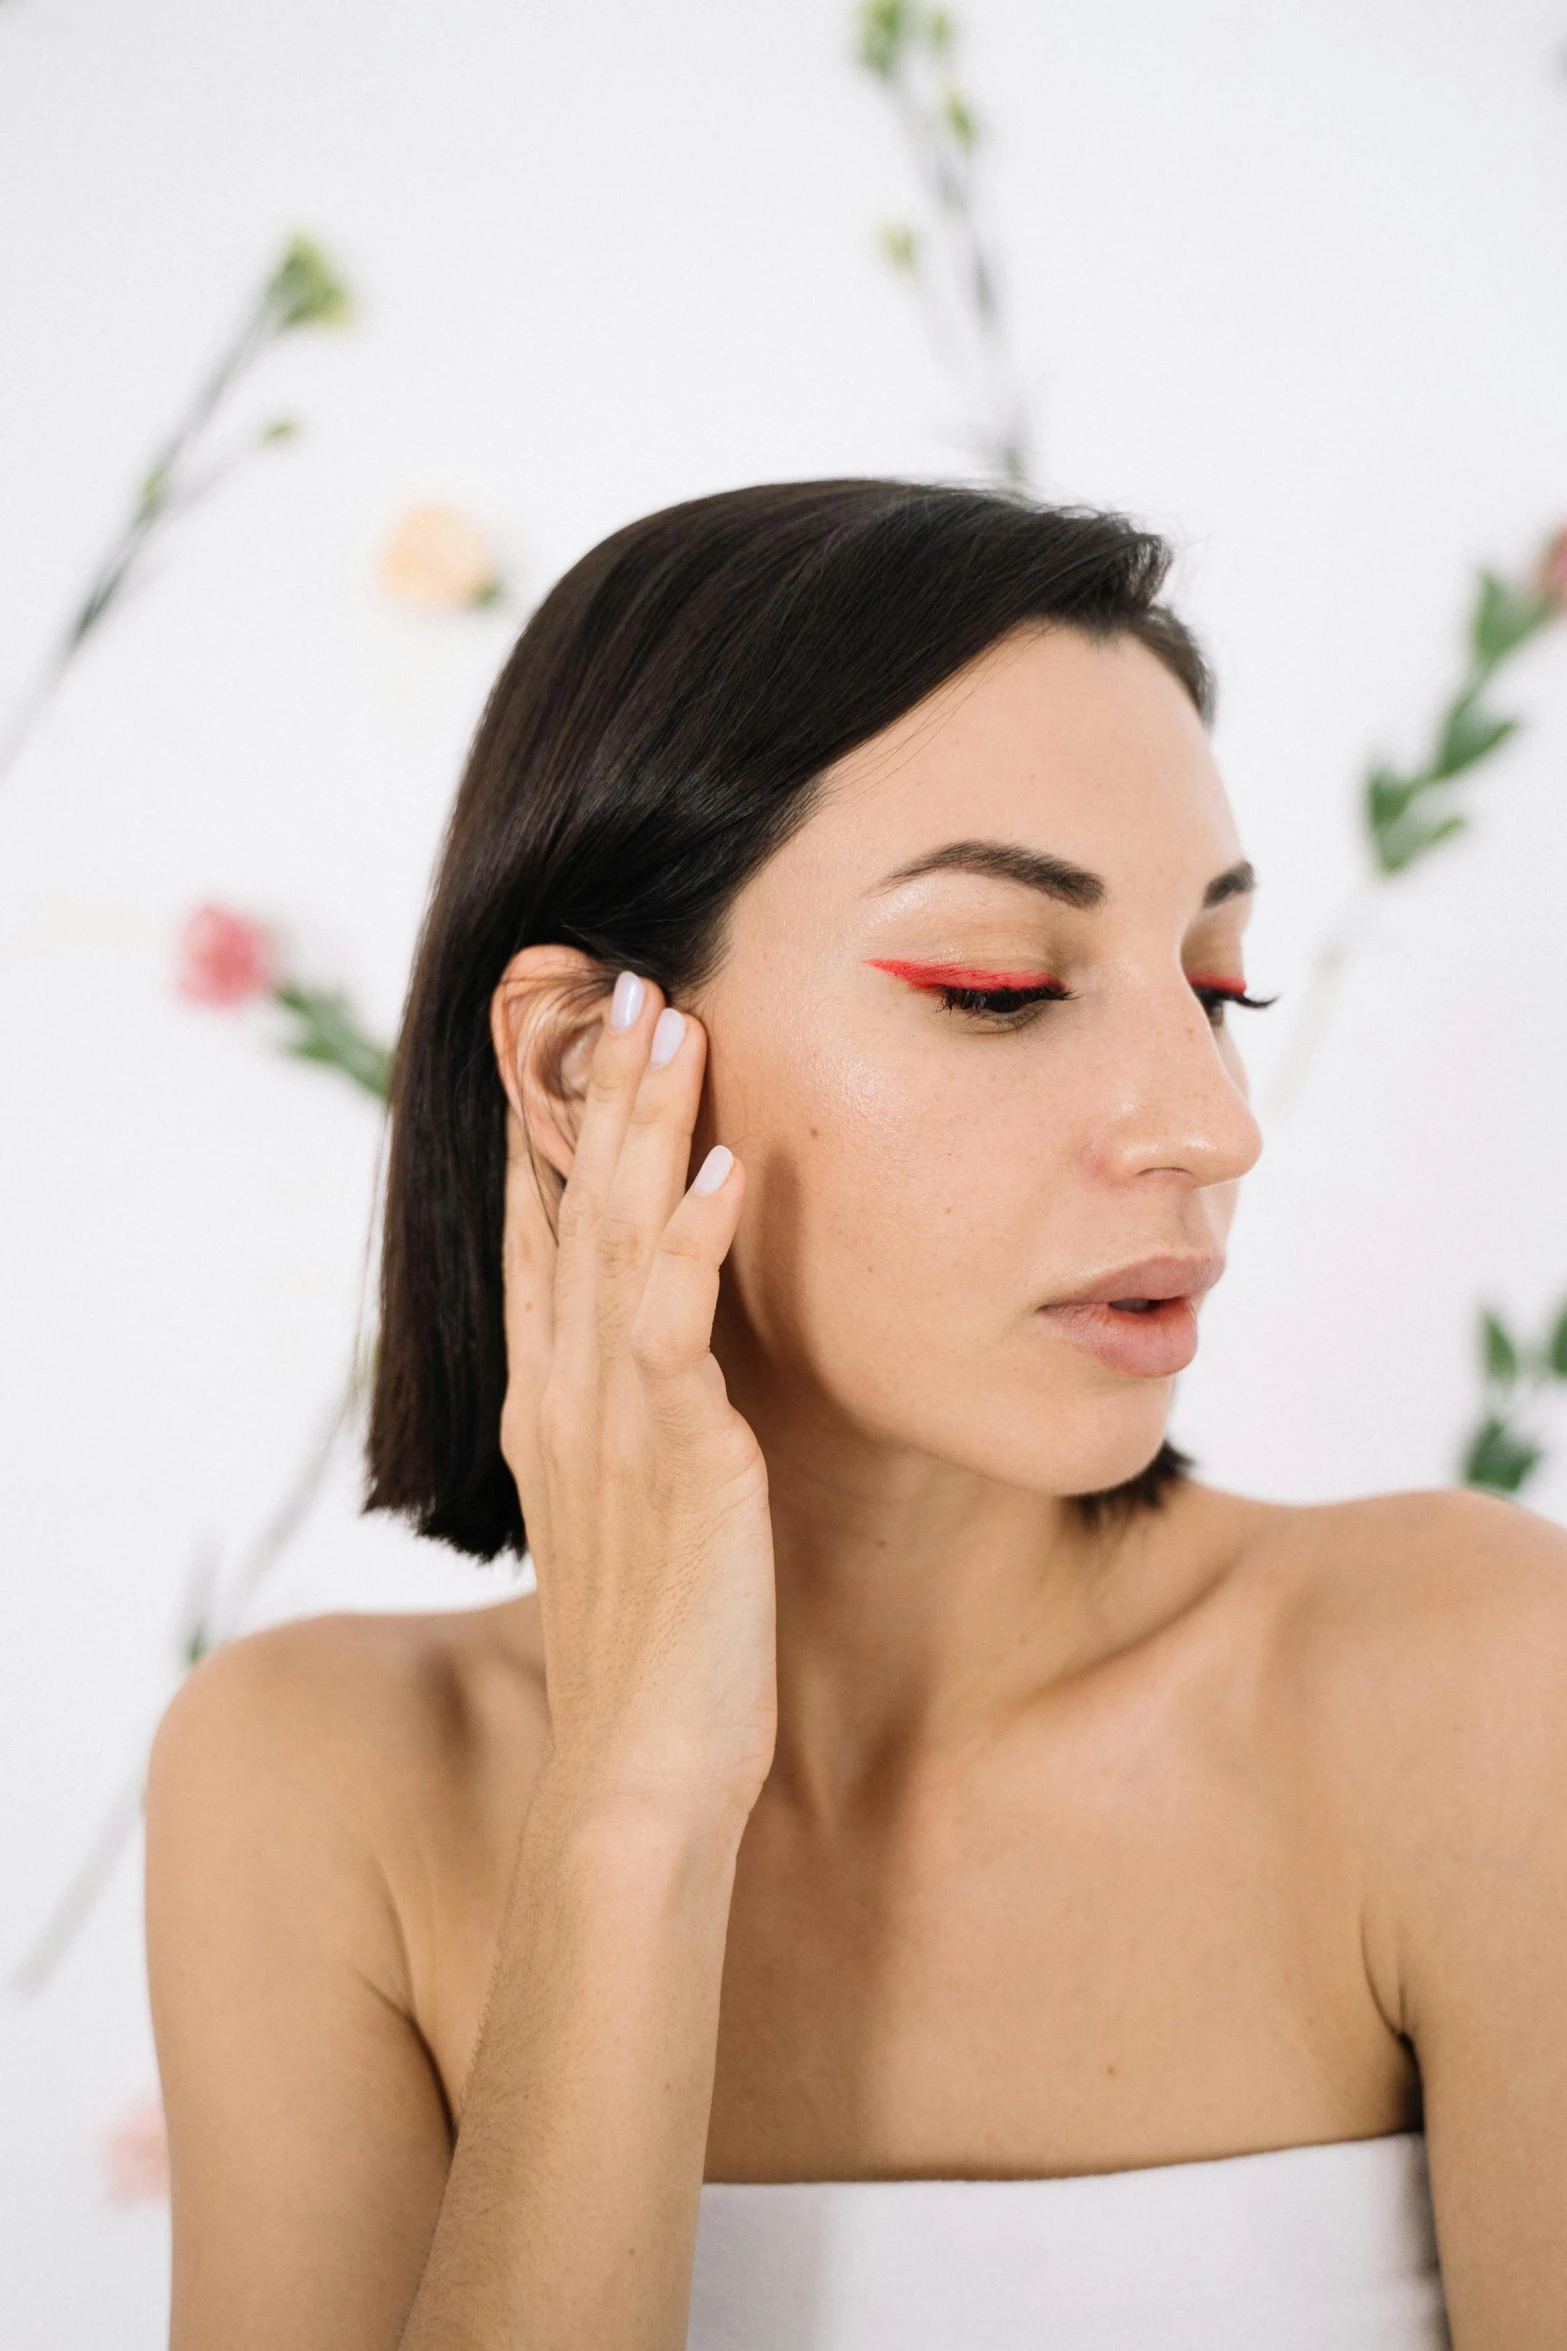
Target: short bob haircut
<point x="660" y="728"/>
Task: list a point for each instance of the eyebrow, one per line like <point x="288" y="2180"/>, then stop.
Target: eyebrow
<point x="1054" y="877"/>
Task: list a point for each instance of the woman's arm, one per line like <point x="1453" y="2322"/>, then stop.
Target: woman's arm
<point x="308" y="2134"/>
<point x="314" y="2185"/>
<point x="570" y="2216"/>
<point x="307" y="2129"/>
<point x="1463" y="1737"/>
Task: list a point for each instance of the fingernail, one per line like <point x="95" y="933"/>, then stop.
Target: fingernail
<point x="668" y="1030"/>
<point x="713" y="1169"/>
<point x="626" y="1002"/>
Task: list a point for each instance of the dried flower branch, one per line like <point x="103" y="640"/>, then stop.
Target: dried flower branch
<point x="948" y="263"/>
<point x="302" y="291"/>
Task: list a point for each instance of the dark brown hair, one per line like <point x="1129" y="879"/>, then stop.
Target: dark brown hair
<point x="657" y="732"/>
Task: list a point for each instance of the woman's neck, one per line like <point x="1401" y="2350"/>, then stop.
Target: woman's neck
<point x="921" y="1605"/>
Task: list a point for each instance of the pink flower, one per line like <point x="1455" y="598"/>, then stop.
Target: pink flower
<point x="136" y="2156"/>
<point x="1550" y="579"/>
<point x="225" y="957"/>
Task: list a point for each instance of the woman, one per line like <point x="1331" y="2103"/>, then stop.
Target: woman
<point x="922" y="1869"/>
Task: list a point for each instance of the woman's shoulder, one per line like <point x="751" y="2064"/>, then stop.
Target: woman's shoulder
<point x="1417" y="1661"/>
<point x="1411" y="1576"/>
<point x="1380" y="1611"/>
<point x="381" y="1685"/>
<point x="385" y="1732"/>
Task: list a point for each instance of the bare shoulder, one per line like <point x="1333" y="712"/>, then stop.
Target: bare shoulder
<point x="1432" y="1582"/>
<point x="348" y="1700"/>
<point x="1428" y="1631"/>
<point x="1420" y="1639"/>
<point x="379" y="1741"/>
<point x="323" y="1798"/>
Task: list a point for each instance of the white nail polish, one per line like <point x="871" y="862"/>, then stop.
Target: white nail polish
<point x="626" y="1002"/>
<point x="668" y="1030"/>
<point x="713" y="1169"/>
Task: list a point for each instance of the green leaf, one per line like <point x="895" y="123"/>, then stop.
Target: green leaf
<point x="329" y="1032"/>
<point x="1503" y="618"/>
<point x="1433" y="835"/>
<point x="1398" y="846"/>
<point x="282" y="428"/>
<point x="940" y="33"/>
<point x="884" y="29"/>
<point x="1498" y="1350"/>
<point x="1468" y="734"/>
<point x="154" y="489"/>
<point x="304" y="290"/>
<point x="900" y="247"/>
<point x="1387" y="796"/>
<point x="960" y="121"/>
<point x="1556" y="1347"/>
<point x="1499" y="1460"/>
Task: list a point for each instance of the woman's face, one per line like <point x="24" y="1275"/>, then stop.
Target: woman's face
<point x="923" y="1180"/>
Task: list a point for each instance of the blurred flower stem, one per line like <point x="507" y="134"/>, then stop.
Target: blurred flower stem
<point x="1501" y="1455"/>
<point x="1405" y="816"/>
<point x="911" y="49"/>
<point x="328" y="1031"/>
<point x="205" y="1625"/>
<point x="303" y="290"/>
<point x="227" y="958"/>
<point x="71" y="1911"/>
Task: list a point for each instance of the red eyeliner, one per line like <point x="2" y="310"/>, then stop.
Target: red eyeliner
<point x="961" y="975"/>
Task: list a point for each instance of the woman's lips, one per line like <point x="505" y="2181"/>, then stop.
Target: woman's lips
<point x="1149" y="1345"/>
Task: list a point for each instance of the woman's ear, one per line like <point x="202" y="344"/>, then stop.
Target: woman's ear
<point x="545" y="1016"/>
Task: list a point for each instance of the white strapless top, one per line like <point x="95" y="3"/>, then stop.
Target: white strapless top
<point x="1319" y="2248"/>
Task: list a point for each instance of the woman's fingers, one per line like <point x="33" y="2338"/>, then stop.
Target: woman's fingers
<point x="672" y="1327"/>
<point x="628" y="1174"/>
<point x="614" y="1070"/>
<point x="528" y="1283"/>
<point x="651" y="1172"/>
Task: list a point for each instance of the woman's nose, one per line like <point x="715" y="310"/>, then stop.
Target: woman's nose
<point x="1180" y="1104"/>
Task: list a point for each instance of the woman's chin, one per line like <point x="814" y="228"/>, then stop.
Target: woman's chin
<point x="1054" y="1444"/>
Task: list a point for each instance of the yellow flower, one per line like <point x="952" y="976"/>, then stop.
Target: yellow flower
<point x="439" y="557"/>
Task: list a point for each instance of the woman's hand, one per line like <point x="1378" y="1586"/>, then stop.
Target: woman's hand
<point x="644" y="1492"/>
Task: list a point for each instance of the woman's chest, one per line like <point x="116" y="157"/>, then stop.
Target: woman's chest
<point x="1058" y="1972"/>
<point x="1136" y="1947"/>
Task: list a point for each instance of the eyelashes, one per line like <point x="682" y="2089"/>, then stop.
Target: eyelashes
<point x="1216" y="994"/>
<point x="992" y="993"/>
<point x="1009" y="1000"/>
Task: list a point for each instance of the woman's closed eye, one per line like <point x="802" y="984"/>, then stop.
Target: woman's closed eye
<point x="1006" y="999"/>
<point x="1216" y="993"/>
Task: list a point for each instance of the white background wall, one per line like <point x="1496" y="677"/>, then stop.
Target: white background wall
<point x="1290" y="284"/>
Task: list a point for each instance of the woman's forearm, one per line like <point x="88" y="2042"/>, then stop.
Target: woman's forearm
<point x="569" y="2216"/>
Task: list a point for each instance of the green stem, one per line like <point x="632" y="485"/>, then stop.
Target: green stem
<point x="270" y="315"/>
<point x="945" y="174"/>
<point x="329" y="1031"/>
